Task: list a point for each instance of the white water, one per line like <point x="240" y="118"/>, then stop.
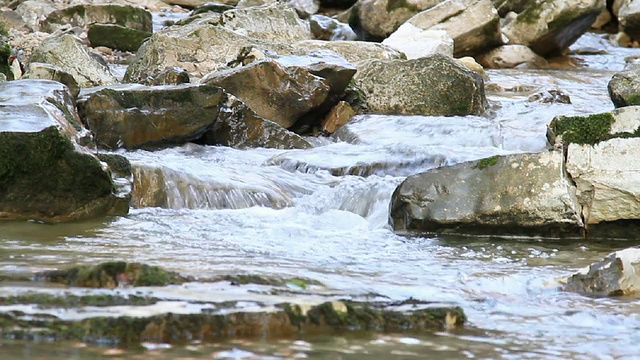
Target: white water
<point x="323" y="213"/>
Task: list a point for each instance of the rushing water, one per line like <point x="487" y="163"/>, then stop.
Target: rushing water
<point x="322" y="214"/>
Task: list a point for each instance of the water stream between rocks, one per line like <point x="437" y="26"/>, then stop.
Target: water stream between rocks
<point x="322" y="214"/>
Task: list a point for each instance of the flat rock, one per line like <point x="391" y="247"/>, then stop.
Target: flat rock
<point x="355" y="52"/>
<point x="416" y="43"/>
<point x="83" y="15"/>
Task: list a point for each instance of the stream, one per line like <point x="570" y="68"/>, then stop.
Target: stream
<point x="322" y="214"/>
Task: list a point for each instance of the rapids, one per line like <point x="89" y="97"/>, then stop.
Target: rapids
<point x="322" y="214"/>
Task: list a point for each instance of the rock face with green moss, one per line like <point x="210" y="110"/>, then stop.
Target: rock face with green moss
<point x="602" y="152"/>
<point x="116" y="37"/>
<point x="134" y="116"/>
<point x="434" y="85"/>
<point x="379" y="18"/>
<point x="548" y="27"/>
<point x="474" y="25"/>
<point x="515" y="194"/>
<point x="84" y="15"/>
<point x="44" y="173"/>
<point x="212" y="41"/>
<point x="624" y="87"/>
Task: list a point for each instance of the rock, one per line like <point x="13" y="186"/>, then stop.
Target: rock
<point x="472" y="65"/>
<point x="37" y="70"/>
<point x="629" y="18"/>
<point x="135" y="116"/>
<point x="116" y="37"/>
<point x="515" y="194"/>
<point x="474" y="25"/>
<point x="550" y="27"/>
<point x="510" y="56"/>
<point x="550" y="96"/>
<point x="44" y="173"/>
<point x="354" y="52"/>
<point x="11" y="20"/>
<point x="602" y="20"/>
<point x="111" y="275"/>
<point x="337" y="4"/>
<point x="172" y="76"/>
<point x="506" y="6"/>
<point x="326" y="28"/>
<point x="305" y="8"/>
<point x="84" y="15"/>
<point x="273" y="92"/>
<point x="339" y="116"/>
<point x="5" y="55"/>
<point x="624" y="87"/>
<point x="416" y="43"/>
<point x="217" y="41"/>
<point x="192" y="3"/>
<point x="615" y="275"/>
<point x="380" y="18"/>
<point x="212" y="7"/>
<point x="240" y="127"/>
<point x="434" y="85"/>
<point x="34" y="12"/>
<point x="68" y="53"/>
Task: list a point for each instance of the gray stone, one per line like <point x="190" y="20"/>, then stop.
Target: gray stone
<point x="45" y="174"/>
<point x="82" y="16"/>
<point x="68" y="53"/>
<point x="380" y="18"/>
<point x="434" y="85"/>
<point x="273" y="92"/>
<point x="354" y="52"/>
<point x="629" y="18"/>
<point x="515" y="194"/>
<point x="474" y="25"/>
<point x="135" y="116"/>
<point x="326" y="28"/>
<point x="37" y="70"/>
<point x="510" y="56"/>
<point x="116" y="37"/>
<point x="416" y="43"/>
<point x="624" y="87"/>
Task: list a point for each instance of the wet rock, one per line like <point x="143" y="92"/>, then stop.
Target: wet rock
<point x="550" y="96"/>
<point x="275" y="93"/>
<point x="44" y="173"/>
<point x="549" y="27"/>
<point x="434" y="85"/>
<point x="515" y="194"/>
<point x="134" y="116"/>
<point x="37" y="70"/>
<point x="624" y="87"/>
<point x="629" y="18"/>
<point x="116" y="37"/>
<point x="510" y="56"/>
<point x="216" y="41"/>
<point x="416" y="43"/>
<point x="326" y="28"/>
<point x="615" y="275"/>
<point x="474" y="25"/>
<point x="380" y="18"/>
<point x="111" y="275"/>
<point x="34" y="12"/>
<point x="84" y="15"/>
<point x="354" y="52"/>
<point x="239" y="126"/>
<point x="339" y="116"/>
<point x="68" y="53"/>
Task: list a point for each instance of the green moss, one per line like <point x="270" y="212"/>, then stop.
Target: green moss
<point x="583" y="130"/>
<point x="401" y="4"/>
<point x="487" y="162"/>
<point x="633" y="100"/>
<point x="4" y="29"/>
<point x="46" y="301"/>
<point x="117" y="163"/>
<point x="5" y="54"/>
<point x="116" y="37"/>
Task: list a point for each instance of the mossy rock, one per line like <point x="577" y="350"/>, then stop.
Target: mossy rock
<point x="116" y="37"/>
<point x="5" y="54"/>
<point x="113" y="274"/>
<point x="583" y="130"/>
<point x="68" y="301"/>
<point x="118" y="164"/>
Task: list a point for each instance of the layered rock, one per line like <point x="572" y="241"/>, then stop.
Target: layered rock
<point x="474" y="25"/>
<point x="434" y="85"/>
<point x="68" y="53"/>
<point x="516" y="194"/>
<point x="44" y="173"/>
<point x="549" y="27"/>
<point x="134" y="116"/>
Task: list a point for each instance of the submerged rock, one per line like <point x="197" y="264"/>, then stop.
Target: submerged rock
<point x="615" y="275"/>
<point x="44" y="173"/>
<point x="434" y="85"/>
<point x="515" y="194"/>
<point x="550" y="27"/>
<point x="134" y="116"/>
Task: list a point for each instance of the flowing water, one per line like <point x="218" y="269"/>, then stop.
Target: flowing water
<point x="322" y="214"/>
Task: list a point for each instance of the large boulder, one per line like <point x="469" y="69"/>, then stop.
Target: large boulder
<point x="134" y="116"/>
<point x="624" y="87"/>
<point x="216" y="41"/>
<point x="379" y="18"/>
<point x="549" y="27"/>
<point x="515" y="194"/>
<point x="274" y="92"/>
<point x="83" y="15"/>
<point x="116" y="37"/>
<point x="434" y="85"/>
<point x="68" y="53"/>
<point x="44" y="173"/>
<point x="354" y="52"/>
<point x="474" y="25"/>
<point x="615" y="275"/>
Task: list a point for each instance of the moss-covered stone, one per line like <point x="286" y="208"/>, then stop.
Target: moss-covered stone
<point x="5" y="54"/>
<point x="116" y="37"/>
<point x="583" y="130"/>
<point x="118" y="164"/>
<point x="46" y="301"/>
<point x="82" y="15"/>
<point x="487" y="162"/>
<point x="113" y="274"/>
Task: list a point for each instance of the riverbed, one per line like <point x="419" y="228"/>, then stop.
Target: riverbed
<point x="322" y="214"/>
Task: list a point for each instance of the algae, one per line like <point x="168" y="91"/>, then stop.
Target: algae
<point x="582" y="130"/>
<point x="487" y="162"/>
